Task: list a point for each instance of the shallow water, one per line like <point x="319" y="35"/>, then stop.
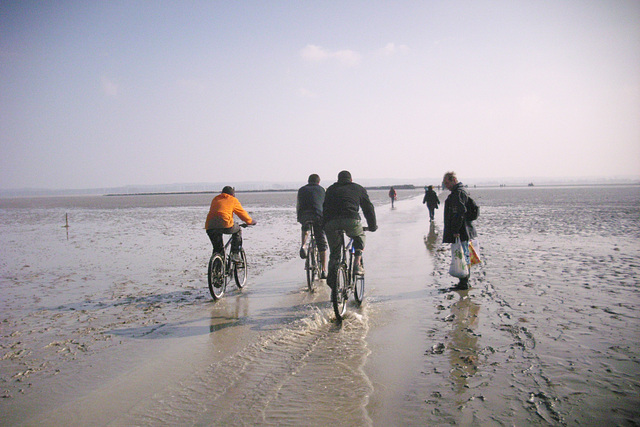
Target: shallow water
<point x="113" y="323"/>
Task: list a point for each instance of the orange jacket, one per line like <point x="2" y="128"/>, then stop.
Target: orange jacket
<point x="223" y="206"/>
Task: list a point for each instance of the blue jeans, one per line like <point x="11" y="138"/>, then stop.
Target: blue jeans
<point x="465" y="249"/>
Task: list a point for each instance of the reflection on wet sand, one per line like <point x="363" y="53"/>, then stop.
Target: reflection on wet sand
<point x="431" y="240"/>
<point x="232" y="314"/>
<point x="463" y="346"/>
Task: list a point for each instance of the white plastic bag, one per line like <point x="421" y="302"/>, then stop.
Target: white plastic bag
<point x="459" y="267"/>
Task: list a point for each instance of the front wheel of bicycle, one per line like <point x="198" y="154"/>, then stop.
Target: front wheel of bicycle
<point x="358" y="286"/>
<point x="240" y="270"/>
<point x="339" y="293"/>
<point x="311" y="265"/>
<point x="217" y="282"/>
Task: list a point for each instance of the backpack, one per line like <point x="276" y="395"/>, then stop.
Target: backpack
<point x="473" y="210"/>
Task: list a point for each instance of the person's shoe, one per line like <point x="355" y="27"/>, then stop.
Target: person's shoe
<point x="463" y="285"/>
<point x="235" y="257"/>
<point x="323" y="275"/>
<point x="358" y="270"/>
<point x="303" y="253"/>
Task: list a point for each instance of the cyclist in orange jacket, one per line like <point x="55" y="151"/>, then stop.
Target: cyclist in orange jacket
<point x="220" y="221"/>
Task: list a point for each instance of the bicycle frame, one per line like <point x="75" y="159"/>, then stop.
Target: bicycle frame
<point x="222" y="268"/>
<point x="348" y="248"/>
<point x="346" y="281"/>
<point x="226" y="258"/>
<point x="312" y="261"/>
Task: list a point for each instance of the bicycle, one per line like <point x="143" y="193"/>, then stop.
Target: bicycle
<point x="346" y="280"/>
<point x="312" y="264"/>
<point x="222" y="267"/>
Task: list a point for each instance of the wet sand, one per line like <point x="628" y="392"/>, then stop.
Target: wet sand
<point x="130" y="336"/>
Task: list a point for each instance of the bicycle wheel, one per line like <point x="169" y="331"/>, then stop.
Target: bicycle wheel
<point x="240" y="270"/>
<point x="217" y="282"/>
<point x="311" y="264"/>
<point x="358" y="286"/>
<point x="339" y="293"/>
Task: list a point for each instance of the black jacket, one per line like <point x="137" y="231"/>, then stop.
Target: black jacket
<point x="344" y="200"/>
<point x="309" y="204"/>
<point x="454" y="216"/>
<point x="431" y="199"/>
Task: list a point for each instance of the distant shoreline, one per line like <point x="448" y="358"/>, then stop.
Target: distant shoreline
<point x="383" y="187"/>
<point x="10" y="194"/>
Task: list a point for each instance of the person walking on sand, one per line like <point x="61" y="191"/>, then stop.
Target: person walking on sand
<point x="309" y="214"/>
<point x="432" y="201"/>
<point x="220" y="221"/>
<point x="341" y="207"/>
<point x="455" y="223"/>
<point x="392" y="195"/>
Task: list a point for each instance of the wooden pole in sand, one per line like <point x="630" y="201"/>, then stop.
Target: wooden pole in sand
<point x="66" y="224"/>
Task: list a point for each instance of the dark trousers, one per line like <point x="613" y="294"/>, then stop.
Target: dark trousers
<point x="321" y="239"/>
<point x="352" y="228"/>
<point x="432" y="210"/>
<point x="215" y="234"/>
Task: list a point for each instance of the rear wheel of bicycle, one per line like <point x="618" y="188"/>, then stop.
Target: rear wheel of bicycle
<point x="217" y="282"/>
<point x="240" y="270"/>
<point x="339" y="293"/>
<point x="358" y="286"/>
<point x="311" y="265"/>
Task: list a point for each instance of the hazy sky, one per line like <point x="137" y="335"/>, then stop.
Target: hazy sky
<point x="110" y="93"/>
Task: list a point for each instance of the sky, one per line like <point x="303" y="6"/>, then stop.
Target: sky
<point x="105" y="94"/>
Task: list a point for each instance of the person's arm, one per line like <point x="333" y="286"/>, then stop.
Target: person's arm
<point x="243" y="214"/>
<point x="458" y="211"/>
<point x="368" y="211"/>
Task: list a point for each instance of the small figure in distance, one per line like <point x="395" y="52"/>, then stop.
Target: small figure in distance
<point x="432" y="201"/>
<point x="220" y="221"/>
<point x="309" y="208"/>
<point x="342" y="203"/>
<point x="455" y="222"/>
<point x="392" y="195"/>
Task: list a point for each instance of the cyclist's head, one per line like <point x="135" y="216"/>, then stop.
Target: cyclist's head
<point x="344" y="176"/>
<point x="229" y="190"/>
<point x="314" y="178"/>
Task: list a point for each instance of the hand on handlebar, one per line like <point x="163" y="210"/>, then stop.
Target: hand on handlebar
<point x="371" y="229"/>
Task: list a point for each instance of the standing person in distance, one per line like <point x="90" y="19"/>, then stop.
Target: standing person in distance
<point x="392" y="195"/>
<point x="342" y="204"/>
<point x="220" y="221"/>
<point x="432" y="201"/>
<point x="455" y="222"/>
<point x="309" y="208"/>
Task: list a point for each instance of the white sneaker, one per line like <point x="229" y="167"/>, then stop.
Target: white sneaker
<point x="235" y="257"/>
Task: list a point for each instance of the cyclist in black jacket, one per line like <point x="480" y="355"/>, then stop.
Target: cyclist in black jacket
<point x="309" y="209"/>
<point x="341" y="207"/>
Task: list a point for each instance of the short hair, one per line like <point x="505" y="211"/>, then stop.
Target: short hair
<point x="451" y="176"/>
<point x="314" y="178"/>
<point x="344" y="176"/>
<point x="229" y="190"/>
